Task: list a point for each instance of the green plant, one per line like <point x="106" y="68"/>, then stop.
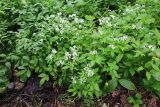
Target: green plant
<point x="89" y="51"/>
<point x="137" y="101"/>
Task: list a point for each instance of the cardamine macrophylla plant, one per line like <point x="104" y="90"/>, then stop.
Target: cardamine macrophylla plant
<point x="88" y="58"/>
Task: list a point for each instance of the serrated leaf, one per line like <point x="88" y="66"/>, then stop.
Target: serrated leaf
<point x="8" y="64"/>
<point x="127" y="84"/>
<point x="156" y="75"/>
<point x="119" y="57"/>
<point x="155" y="67"/>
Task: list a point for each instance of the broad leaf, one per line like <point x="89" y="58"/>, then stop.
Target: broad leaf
<point x="127" y="84"/>
<point x="111" y="85"/>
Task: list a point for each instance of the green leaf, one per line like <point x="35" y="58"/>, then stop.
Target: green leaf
<point x="140" y="69"/>
<point x="156" y="86"/>
<point x="44" y="77"/>
<point x="21" y="72"/>
<point x="89" y="17"/>
<point x="119" y="57"/>
<point x="148" y="75"/>
<point x="28" y="73"/>
<point x="2" y="55"/>
<point x="42" y="81"/>
<point x="111" y="85"/>
<point x="2" y="89"/>
<point x="132" y="71"/>
<point x="127" y="84"/>
<point x="14" y="57"/>
<point x="138" y="96"/>
<point x="8" y="64"/>
<point x="155" y="67"/>
<point x="131" y="100"/>
<point x="156" y="75"/>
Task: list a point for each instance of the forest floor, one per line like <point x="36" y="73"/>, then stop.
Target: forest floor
<point x="31" y="95"/>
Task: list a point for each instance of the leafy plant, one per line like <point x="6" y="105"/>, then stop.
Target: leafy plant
<point x="84" y="46"/>
<point x="137" y="101"/>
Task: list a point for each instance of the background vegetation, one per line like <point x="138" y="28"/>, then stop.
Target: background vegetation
<point x="90" y="47"/>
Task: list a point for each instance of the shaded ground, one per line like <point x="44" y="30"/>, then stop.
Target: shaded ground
<point x="31" y="95"/>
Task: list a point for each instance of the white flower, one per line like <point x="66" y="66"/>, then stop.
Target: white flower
<point x="80" y="26"/>
<point x="61" y="62"/>
<point x="62" y="21"/>
<point x="123" y="38"/>
<point x="104" y="20"/>
<point x="57" y="29"/>
<point x="53" y="51"/>
<point x="78" y="20"/>
<point x="51" y="16"/>
<point x="67" y="56"/>
<point x="133" y="26"/>
<point x="82" y="80"/>
<point x="109" y="24"/>
<point x="72" y="15"/>
<point x="93" y="52"/>
<point x="136" y="26"/>
<point x="112" y="16"/>
<point x="151" y="47"/>
<point x="61" y="31"/>
<point x="57" y="63"/>
<point x="116" y="39"/>
<point x="89" y="71"/>
<point x="49" y="57"/>
<point x="41" y="40"/>
<point x="112" y="46"/>
<point x="81" y="21"/>
<point x="90" y="65"/>
<point x="59" y="14"/>
<point x="129" y="10"/>
<point x="74" y="80"/>
<point x="73" y="52"/>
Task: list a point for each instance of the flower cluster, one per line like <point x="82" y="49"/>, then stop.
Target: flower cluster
<point x="123" y="38"/>
<point x="105" y="20"/>
<point x="60" y="62"/>
<point x="67" y="56"/>
<point x="151" y="47"/>
<point x="136" y="26"/>
<point x="94" y="52"/>
<point x="74" y="53"/>
<point x="51" y="55"/>
<point x="132" y="9"/>
<point x="87" y="73"/>
<point x="75" y="18"/>
<point x="111" y="46"/>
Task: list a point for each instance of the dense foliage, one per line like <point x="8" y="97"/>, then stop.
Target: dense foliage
<point x="91" y="47"/>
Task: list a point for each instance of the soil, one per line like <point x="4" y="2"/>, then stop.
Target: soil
<point x="32" y="95"/>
